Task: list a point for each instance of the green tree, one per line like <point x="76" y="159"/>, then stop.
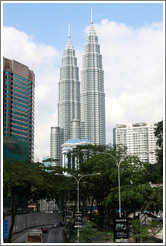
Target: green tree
<point x="159" y="150"/>
<point x="25" y="182"/>
<point x="145" y="233"/>
<point x="88" y="232"/>
<point x="136" y="192"/>
<point x="22" y="181"/>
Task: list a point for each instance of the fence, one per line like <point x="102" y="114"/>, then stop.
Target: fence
<point x="33" y="219"/>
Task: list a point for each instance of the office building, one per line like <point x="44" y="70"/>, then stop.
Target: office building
<point x="138" y="138"/>
<point x="18" y="103"/>
<point x="92" y="91"/>
<point x="68" y="104"/>
<point x="85" y="120"/>
<point x="56" y="140"/>
<point x="69" y="91"/>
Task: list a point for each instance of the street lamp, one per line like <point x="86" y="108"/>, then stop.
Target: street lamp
<point x="78" y="192"/>
<point x="78" y="182"/>
<point x="118" y="165"/>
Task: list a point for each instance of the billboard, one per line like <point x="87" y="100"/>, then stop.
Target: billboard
<point x="121" y="230"/>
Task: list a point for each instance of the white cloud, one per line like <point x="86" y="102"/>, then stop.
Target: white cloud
<point x="133" y="69"/>
<point x="23" y="48"/>
<point x="43" y="60"/>
<point x="132" y="63"/>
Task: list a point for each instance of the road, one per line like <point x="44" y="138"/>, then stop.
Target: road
<point x="54" y="235"/>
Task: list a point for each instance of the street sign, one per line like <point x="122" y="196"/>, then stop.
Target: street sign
<point x="120" y="230"/>
<point x="78" y="214"/>
<point x="77" y="226"/>
<point x="5" y="229"/>
<point x="78" y="219"/>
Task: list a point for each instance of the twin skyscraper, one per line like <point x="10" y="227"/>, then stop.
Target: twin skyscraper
<point x="81" y="114"/>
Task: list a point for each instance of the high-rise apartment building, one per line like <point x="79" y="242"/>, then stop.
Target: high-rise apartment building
<point x="138" y="138"/>
<point x="92" y="91"/>
<point x="18" y="103"/>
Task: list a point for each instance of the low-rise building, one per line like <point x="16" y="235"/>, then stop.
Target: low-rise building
<point x="68" y="159"/>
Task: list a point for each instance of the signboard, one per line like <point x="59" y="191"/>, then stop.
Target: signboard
<point x="77" y="226"/>
<point x="120" y="230"/>
<point x="5" y="229"/>
<point x="78" y="219"/>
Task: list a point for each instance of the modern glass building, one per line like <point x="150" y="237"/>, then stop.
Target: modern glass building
<point x="69" y="91"/>
<point x="68" y="104"/>
<point x="18" y="103"/>
<point x="56" y="139"/>
<point x="15" y="149"/>
<point x="92" y="91"/>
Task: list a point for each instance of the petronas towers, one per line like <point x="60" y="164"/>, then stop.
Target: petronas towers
<point x="81" y="115"/>
<point x="92" y="94"/>
<point x="69" y="94"/>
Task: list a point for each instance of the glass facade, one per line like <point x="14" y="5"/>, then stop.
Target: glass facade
<point x="19" y="102"/>
<point x="69" y="91"/>
<point x="15" y="149"/>
<point x="92" y="92"/>
<point x="68" y="104"/>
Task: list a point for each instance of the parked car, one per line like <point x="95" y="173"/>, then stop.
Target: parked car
<point x="62" y="223"/>
<point x="34" y="236"/>
<point x="55" y="225"/>
<point x="44" y="229"/>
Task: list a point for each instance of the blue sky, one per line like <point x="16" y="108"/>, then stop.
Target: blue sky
<point x="131" y="42"/>
<point x="48" y="22"/>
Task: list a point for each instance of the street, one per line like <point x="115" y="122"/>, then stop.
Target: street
<point x="54" y="235"/>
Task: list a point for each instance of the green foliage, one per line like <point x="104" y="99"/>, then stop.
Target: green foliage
<point x="159" y="152"/>
<point x="159" y="134"/>
<point x="139" y="232"/>
<point x="25" y="182"/>
<point x="145" y="233"/>
<point x="155" y="199"/>
<point x="70" y="228"/>
<point x="136" y="192"/>
<point x="106" y="236"/>
<point x="88" y="232"/>
<point x="21" y="178"/>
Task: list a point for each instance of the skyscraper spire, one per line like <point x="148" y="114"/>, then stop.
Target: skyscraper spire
<point x="69" y="30"/>
<point x="91" y="16"/>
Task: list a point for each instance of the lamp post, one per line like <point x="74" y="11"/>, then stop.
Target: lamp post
<point x="78" y="193"/>
<point x="118" y="162"/>
<point x="78" y="182"/>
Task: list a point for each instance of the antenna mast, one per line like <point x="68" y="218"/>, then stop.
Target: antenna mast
<point x="91" y="16"/>
<point x="69" y="30"/>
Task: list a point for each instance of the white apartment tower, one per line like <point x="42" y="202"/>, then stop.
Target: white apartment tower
<point x="92" y="91"/>
<point x="138" y="138"/>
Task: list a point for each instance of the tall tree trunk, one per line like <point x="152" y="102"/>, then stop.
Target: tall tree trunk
<point x="13" y="214"/>
<point x="91" y="208"/>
